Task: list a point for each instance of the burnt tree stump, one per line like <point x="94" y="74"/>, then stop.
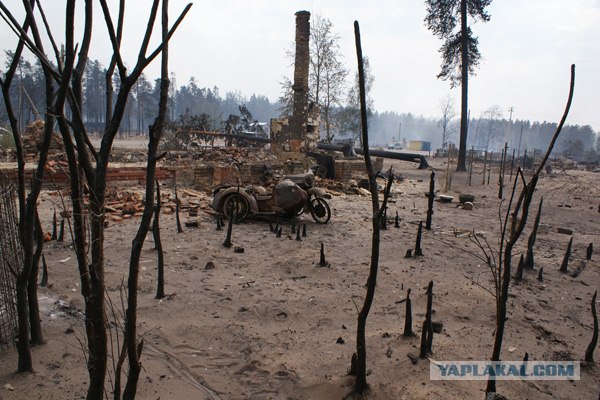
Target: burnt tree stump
<point x="565" y="262"/>
<point x="519" y="273"/>
<point x="54" y="226"/>
<point x="178" y="221"/>
<point x="418" y="250"/>
<point x="427" y="333"/>
<point x="232" y="214"/>
<point x="408" y="332"/>
<point x="322" y="262"/>
<point x="61" y="233"/>
<point x="589" y="251"/>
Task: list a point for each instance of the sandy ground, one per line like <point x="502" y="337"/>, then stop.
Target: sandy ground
<point x="266" y="324"/>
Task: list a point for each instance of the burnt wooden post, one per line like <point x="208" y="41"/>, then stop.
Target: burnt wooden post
<point x="565" y="262"/>
<point x="427" y="334"/>
<point x="430" y="200"/>
<point x="322" y="262"/>
<point x="484" y="166"/>
<point x="589" y="352"/>
<point x="44" y="281"/>
<point x="408" y="332"/>
<point x="512" y="165"/>
<point x="501" y="173"/>
<point x="418" y="250"/>
<point x="397" y="221"/>
<point x="232" y="214"/>
<point x="54" y="226"/>
<point x="589" y="251"/>
<point x="532" y="237"/>
<point x="490" y="169"/>
<point x="179" y="228"/>
<point x="61" y="233"/>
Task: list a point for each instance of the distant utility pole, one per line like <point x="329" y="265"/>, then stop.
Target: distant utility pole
<point x="510" y="110"/>
<point x="400" y="132"/>
<point x="520" y="138"/>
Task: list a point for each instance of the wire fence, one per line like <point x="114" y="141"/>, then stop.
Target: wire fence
<point x="11" y="260"/>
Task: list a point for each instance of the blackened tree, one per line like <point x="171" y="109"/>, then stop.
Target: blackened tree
<point x="447" y="19"/>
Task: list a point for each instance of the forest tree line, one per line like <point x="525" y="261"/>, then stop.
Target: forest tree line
<point x="489" y="131"/>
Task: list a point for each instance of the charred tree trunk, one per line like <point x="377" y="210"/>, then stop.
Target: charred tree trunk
<point x="54" y="226"/>
<point x="134" y="347"/>
<point x="25" y="363"/>
<point x="427" y="333"/>
<point x="532" y="237"/>
<point x="160" y="285"/>
<point x="408" y="332"/>
<point x="27" y="203"/>
<point x="179" y="228"/>
<point x="35" y="324"/>
<point x="44" y="281"/>
<point x="361" y="345"/>
<point x="464" y="89"/>
<point x="430" y="200"/>
<point x="232" y="215"/>
<point x="61" y="235"/>
<point x="418" y="250"/>
<point x="589" y="352"/>
<point x="504" y="264"/>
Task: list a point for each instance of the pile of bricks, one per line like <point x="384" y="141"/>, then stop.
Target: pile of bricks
<point x="345" y="170"/>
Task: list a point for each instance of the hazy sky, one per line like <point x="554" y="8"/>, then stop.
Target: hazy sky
<point x="527" y="48"/>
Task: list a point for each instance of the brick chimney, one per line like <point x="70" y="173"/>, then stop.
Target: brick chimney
<point x="301" y="66"/>
<point x="292" y="137"/>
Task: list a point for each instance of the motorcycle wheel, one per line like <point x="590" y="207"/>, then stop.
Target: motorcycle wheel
<point x="319" y="210"/>
<point x="235" y="205"/>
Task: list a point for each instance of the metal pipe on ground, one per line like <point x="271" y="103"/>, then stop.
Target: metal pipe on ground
<point x="411" y="157"/>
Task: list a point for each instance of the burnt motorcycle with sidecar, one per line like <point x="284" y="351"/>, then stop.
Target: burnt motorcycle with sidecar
<point x="292" y="196"/>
